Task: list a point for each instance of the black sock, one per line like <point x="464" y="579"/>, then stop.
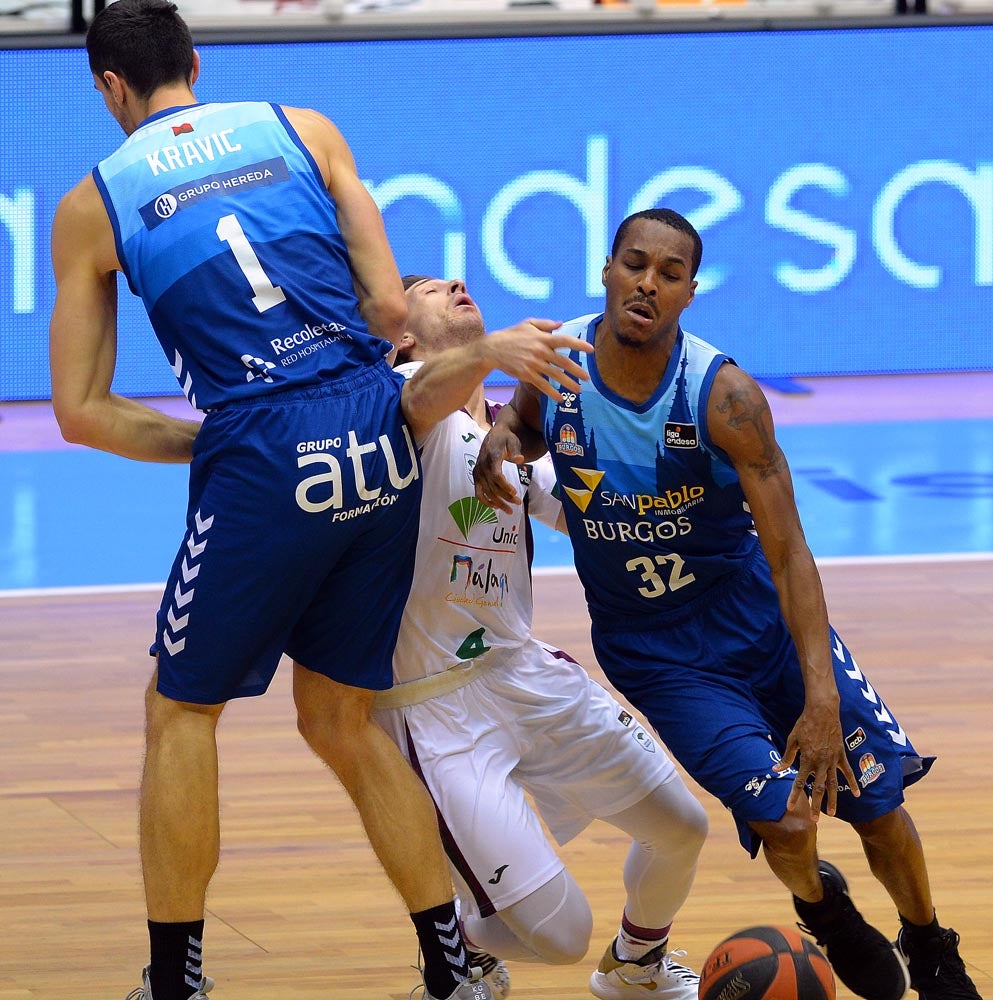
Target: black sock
<point x="822" y="907"/>
<point x="176" y="972"/>
<point x="921" y="932"/>
<point x="445" y="961"/>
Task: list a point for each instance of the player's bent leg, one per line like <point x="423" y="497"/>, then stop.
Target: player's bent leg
<point x="790" y="848"/>
<point x="336" y="722"/>
<point x="862" y="957"/>
<point x="552" y="925"/>
<point x="668" y="829"/>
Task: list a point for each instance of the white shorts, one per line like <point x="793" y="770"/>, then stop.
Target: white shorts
<point x="535" y="723"/>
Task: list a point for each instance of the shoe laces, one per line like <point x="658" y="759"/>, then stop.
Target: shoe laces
<point x="475" y="973"/>
<point x="949" y="961"/>
<point x="659" y="964"/>
<point x="680" y="971"/>
<point x="819" y="938"/>
<point x="482" y="960"/>
<point x="419" y="969"/>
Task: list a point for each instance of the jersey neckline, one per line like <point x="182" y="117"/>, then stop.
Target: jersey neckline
<point x="667" y="376"/>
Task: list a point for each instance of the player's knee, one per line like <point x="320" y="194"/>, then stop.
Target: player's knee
<point x="689" y="828"/>
<point x="564" y="940"/>
<point x="791" y="835"/>
<point x="332" y="718"/>
<point x="670" y="821"/>
<point x="165" y="717"/>
<point x="882" y="831"/>
<point x="555" y="922"/>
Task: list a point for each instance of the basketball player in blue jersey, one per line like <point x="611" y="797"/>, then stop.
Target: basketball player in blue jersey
<point x="265" y="270"/>
<point x="707" y="608"/>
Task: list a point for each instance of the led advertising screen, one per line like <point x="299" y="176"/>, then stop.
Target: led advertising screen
<point x="841" y="179"/>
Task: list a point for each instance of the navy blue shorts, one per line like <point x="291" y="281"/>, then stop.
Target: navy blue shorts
<point x="300" y="539"/>
<point x="723" y="689"/>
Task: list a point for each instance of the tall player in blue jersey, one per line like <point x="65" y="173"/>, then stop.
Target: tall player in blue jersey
<point x="265" y="270"/>
<point x="707" y="608"/>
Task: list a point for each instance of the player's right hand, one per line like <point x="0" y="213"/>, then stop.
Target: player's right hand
<point x="492" y="486"/>
<point x="532" y="352"/>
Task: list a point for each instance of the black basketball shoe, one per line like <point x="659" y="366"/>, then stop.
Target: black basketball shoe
<point x="936" y="971"/>
<point x="862" y="958"/>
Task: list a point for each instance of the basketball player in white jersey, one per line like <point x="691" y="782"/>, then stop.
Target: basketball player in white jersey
<point x="486" y="712"/>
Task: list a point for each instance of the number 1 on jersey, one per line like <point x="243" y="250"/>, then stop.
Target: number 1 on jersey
<point x="266" y="294"/>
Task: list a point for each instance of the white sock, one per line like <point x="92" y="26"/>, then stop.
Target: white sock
<point x="630" y="948"/>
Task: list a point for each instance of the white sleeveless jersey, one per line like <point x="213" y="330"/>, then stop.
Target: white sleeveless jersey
<point x="471" y="595"/>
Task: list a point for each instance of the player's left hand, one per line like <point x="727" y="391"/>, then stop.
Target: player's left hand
<point x="817" y="747"/>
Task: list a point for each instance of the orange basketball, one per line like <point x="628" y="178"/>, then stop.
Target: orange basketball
<point x="767" y="963"/>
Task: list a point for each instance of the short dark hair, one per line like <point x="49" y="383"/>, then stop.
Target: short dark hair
<point x="145" y="42"/>
<point x="668" y="218"/>
<point x="401" y="357"/>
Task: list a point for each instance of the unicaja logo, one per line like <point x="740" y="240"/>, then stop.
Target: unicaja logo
<point x="165" y="206"/>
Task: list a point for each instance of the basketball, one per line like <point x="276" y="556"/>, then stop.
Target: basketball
<point x="766" y="963"/>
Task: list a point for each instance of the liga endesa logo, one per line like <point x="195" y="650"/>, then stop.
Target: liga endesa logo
<point x="681" y="435"/>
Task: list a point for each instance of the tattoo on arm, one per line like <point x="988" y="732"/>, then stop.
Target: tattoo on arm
<point x="745" y="412"/>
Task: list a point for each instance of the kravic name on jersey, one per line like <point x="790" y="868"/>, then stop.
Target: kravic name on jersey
<point x="191" y="152"/>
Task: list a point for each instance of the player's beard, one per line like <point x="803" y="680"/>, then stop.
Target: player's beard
<point x="464" y="329"/>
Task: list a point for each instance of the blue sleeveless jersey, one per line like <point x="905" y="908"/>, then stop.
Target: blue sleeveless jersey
<point x="655" y="511"/>
<point x="226" y="230"/>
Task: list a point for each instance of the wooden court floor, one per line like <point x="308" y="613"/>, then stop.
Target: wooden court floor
<point x="299" y="909"/>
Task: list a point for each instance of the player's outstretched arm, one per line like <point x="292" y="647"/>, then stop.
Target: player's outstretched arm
<point x="83" y="343"/>
<point x="528" y="351"/>
<point x="515" y="437"/>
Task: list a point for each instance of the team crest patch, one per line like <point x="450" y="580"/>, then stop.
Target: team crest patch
<point x="568" y="443"/>
<point x="856" y="739"/>
<point x="681" y="435"/>
<point x="642" y="738"/>
<point x="870" y="769"/>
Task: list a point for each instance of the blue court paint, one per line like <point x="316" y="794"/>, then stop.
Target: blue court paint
<point x="77" y="517"/>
